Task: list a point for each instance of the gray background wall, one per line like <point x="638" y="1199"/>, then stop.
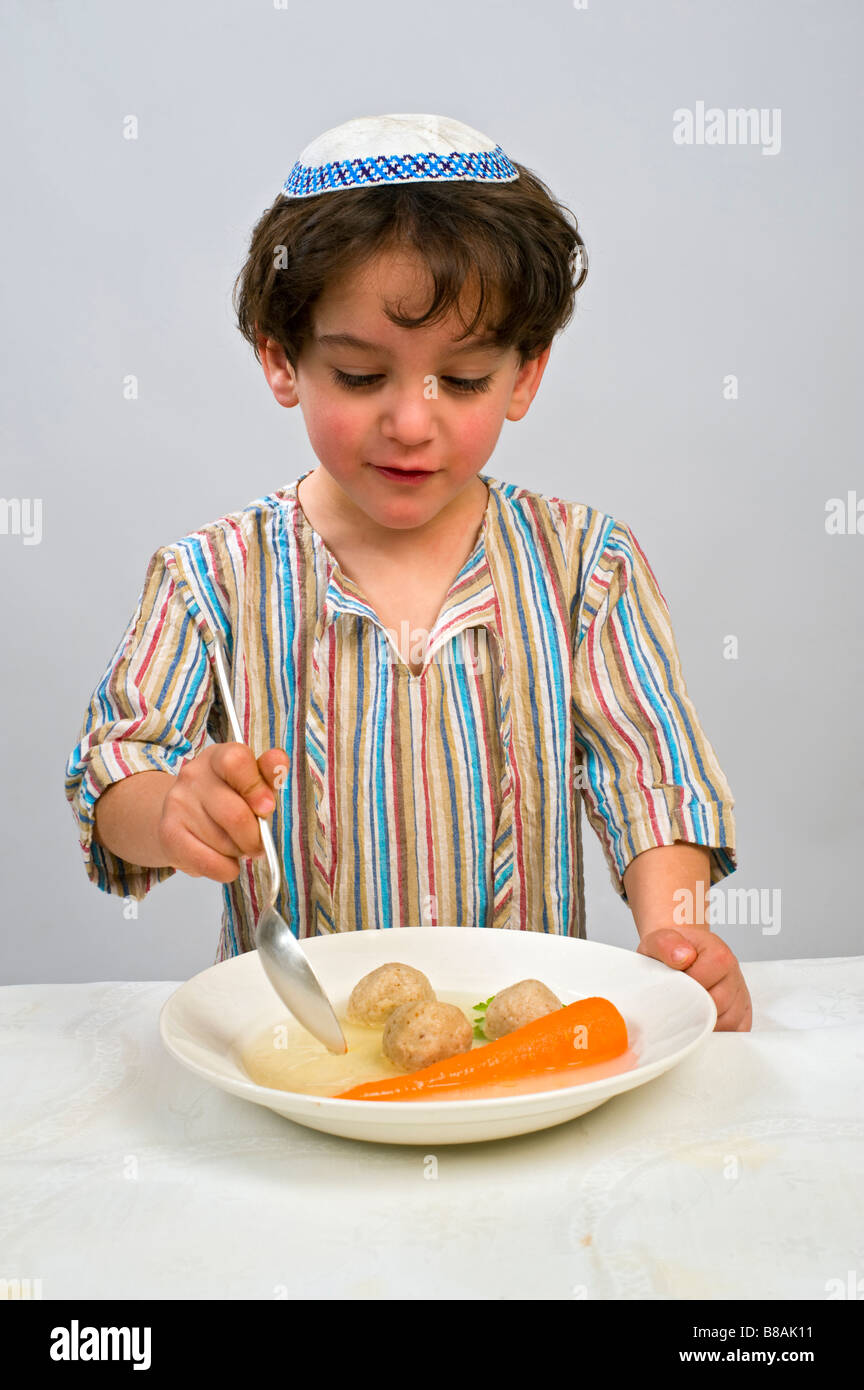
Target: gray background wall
<point x="705" y="260"/>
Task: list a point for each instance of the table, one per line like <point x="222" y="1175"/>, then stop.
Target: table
<point x="735" y="1175"/>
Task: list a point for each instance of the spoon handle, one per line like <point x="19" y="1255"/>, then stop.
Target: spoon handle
<point x="225" y="691"/>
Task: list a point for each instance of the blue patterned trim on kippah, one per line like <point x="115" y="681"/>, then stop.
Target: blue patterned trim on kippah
<point x="492" y="165"/>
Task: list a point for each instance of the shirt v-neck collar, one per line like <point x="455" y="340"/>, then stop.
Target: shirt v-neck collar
<point x="470" y="601"/>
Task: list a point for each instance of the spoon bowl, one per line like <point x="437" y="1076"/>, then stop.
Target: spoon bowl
<point x="284" y="962"/>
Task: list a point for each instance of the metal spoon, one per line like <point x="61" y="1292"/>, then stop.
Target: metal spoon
<point x="284" y="961"/>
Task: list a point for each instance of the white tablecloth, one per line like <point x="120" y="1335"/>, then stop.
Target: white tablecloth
<point x="735" y="1175"/>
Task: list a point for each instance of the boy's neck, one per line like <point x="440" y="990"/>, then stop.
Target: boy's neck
<point x="345" y="528"/>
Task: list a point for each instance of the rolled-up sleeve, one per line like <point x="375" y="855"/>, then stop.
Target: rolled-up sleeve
<point x="147" y="714"/>
<point x="648" y="774"/>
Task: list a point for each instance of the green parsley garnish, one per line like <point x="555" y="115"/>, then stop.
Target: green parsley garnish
<point x="478" y="1022"/>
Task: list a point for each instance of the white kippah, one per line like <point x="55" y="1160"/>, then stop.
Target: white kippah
<point x="371" y="151"/>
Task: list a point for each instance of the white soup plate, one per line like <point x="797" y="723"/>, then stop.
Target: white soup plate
<point x="208" y="1021"/>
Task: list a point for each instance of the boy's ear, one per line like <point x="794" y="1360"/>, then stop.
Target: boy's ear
<point x="278" y="370"/>
<point x="526" y="385"/>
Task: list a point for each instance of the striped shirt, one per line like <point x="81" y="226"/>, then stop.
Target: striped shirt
<point x="551" y="680"/>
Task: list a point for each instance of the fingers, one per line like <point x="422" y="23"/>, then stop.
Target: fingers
<point x="737" y="1017"/>
<point x="210" y="817"/>
<point x="225" y="822"/>
<point x="670" y="947"/>
<point x="196" y="858"/>
<point x="207" y="803"/>
<point x="708" y="959"/>
<point x="274" y="766"/>
<point x="227" y="825"/>
<point x="236" y="765"/>
<point x="712" y="964"/>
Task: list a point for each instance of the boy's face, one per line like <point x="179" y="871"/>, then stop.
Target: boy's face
<point x="415" y="406"/>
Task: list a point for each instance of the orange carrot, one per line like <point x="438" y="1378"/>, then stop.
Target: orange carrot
<point x="591" y="1030"/>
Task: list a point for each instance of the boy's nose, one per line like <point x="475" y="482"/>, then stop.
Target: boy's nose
<point x="408" y="414"/>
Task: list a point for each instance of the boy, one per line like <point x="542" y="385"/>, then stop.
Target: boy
<point x="434" y="661"/>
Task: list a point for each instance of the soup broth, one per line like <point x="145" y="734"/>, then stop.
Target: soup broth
<point x="285" y="1057"/>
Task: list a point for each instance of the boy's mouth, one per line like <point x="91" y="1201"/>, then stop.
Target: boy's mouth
<point x="404" y="475"/>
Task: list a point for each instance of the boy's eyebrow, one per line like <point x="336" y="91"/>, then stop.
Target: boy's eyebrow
<point x="351" y="341"/>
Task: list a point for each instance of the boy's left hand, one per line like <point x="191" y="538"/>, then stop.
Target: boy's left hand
<point x="710" y="961"/>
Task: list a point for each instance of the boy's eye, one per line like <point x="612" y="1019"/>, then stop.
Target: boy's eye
<point x="464" y="384"/>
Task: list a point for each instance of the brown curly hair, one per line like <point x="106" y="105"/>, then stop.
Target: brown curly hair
<point x="514" y="242"/>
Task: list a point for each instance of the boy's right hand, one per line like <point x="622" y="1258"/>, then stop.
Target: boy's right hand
<point x="208" y="822"/>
